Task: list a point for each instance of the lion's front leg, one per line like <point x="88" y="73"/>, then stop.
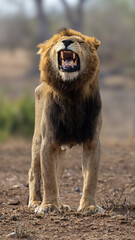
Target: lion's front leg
<point x="61" y="165"/>
<point x="48" y="156"/>
<point x="91" y="156"/>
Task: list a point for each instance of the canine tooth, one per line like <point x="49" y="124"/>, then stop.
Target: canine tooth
<point x="73" y="55"/>
<point x="72" y="64"/>
<point x="75" y="62"/>
<point x="63" y="63"/>
<point x="62" y="55"/>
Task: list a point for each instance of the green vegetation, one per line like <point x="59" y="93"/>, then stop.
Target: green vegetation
<point x="16" y="117"/>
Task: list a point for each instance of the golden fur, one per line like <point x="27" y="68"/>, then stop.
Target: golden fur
<point x="67" y="112"/>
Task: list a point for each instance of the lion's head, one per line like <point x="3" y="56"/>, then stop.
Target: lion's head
<point x="69" y="59"/>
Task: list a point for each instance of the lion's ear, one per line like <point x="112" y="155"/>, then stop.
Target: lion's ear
<point x="95" y="42"/>
<point x="41" y="47"/>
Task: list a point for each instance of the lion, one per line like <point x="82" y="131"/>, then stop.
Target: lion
<point x="67" y="112"/>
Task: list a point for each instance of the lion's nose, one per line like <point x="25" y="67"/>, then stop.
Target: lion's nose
<point x="67" y="42"/>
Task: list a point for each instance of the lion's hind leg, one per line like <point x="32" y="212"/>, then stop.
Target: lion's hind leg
<point x="35" y="175"/>
<point x="48" y="159"/>
<point x="35" y="170"/>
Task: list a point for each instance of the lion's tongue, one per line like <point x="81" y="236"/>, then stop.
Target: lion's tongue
<point x="67" y="63"/>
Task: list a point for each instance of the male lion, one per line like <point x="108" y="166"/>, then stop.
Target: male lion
<point x="67" y="112"/>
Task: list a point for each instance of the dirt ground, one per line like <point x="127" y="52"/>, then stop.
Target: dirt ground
<point x="115" y="193"/>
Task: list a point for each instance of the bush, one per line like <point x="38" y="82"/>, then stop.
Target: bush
<point x="16" y="117"/>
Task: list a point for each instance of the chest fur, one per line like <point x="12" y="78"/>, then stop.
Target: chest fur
<point x="73" y="121"/>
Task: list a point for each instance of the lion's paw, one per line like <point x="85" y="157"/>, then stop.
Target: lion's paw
<point x="91" y="210"/>
<point x="34" y="204"/>
<point x="65" y="208"/>
<point x="46" y="208"/>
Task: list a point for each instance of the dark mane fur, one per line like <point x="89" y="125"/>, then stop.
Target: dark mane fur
<point x="73" y="121"/>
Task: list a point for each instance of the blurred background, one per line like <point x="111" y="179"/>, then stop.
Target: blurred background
<point x="24" y="24"/>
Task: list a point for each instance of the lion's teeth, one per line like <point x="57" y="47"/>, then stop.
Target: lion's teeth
<point x="62" y="55"/>
<point x="63" y="63"/>
<point x="72" y="64"/>
<point x="73" y="55"/>
<point x="75" y="62"/>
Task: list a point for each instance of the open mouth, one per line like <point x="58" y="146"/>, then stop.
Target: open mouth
<point x="68" y="61"/>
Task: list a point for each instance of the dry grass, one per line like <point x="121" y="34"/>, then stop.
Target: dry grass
<point x="22" y="231"/>
<point x="118" y="199"/>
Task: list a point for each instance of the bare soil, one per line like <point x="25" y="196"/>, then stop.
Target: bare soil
<point x="115" y="193"/>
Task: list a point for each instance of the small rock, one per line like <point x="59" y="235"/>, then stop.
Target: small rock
<point x="120" y="217"/>
<point x="14" y="218"/>
<point x="94" y="228"/>
<point x="123" y="221"/>
<point x="26" y="185"/>
<point x="12" y="234"/>
<point x="110" y="230"/>
<point x="133" y="223"/>
<point x="15" y="186"/>
<point x="77" y="189"/>
<point x="57" y="221"/>
<point x="14" y="202"/>
<point x="132" y="190"/>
